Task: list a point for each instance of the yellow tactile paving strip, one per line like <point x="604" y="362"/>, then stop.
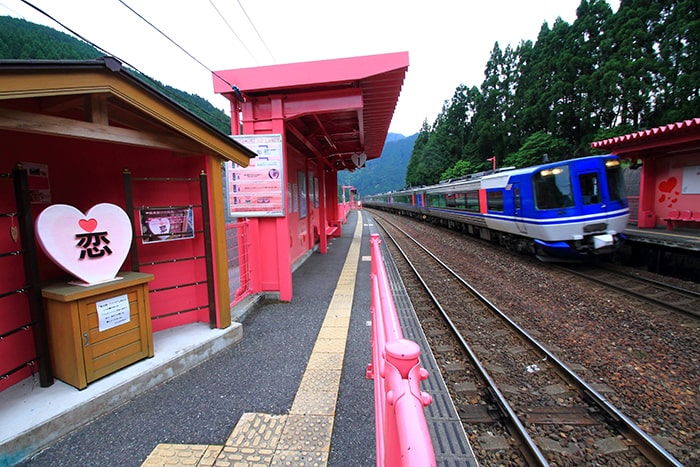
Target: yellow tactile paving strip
<point x="302" y="437"/>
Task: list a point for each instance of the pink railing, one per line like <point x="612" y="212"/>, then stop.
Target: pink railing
<point x="402" y="436"/>
<point x="238" y="261"/>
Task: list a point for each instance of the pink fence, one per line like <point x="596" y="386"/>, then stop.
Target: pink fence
<point x="402" y="436"/>
<point x="237" y="260"/>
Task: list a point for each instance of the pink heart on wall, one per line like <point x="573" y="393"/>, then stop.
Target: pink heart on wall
<point x="91" y="246"/>
<point x="667" y="185"/>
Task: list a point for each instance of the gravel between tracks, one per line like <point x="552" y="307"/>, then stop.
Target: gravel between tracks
<point x="651" y="360"/>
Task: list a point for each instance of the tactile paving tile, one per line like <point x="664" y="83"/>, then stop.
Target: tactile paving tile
<point x="337" y="322"/>
<point x="320" y="380"/>
<point x="329" y="345"/>
<point x="176" y="454"/>
<point x="333" y="332"/>
<point x="326" y="361"/>
<point x="257" y="430"/>
<point x="304" y="433"/>
<point x="296" y="458"/>
<point x="314" y="403"/>
<point x="233" y="456"/>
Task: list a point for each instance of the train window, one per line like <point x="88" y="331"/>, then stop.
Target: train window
<point x="590" y="188"/>
<point x="435" y="200"/>
<point x="552" y="188"/>
<point x="494" y="201"/>
<point x="472" y="201"/>
<point x="616" y="184"/>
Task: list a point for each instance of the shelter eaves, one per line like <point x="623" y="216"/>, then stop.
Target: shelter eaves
<point x="333" y="109"/>
<point x="683" y="136"/>
<point x="99" y="100"/>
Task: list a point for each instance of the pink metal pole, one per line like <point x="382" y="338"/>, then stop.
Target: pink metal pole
<point x="402" y="436"/>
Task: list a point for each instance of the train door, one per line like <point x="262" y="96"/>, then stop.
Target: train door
<point x="518" y="209"/>
<point x="591" y="196"/>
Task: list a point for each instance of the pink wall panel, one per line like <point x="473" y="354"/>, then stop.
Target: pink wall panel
<point x="14" y="312"/>
<point x="84" y="173"/>
<point x="16" y="349"/>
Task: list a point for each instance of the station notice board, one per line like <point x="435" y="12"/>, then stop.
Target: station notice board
<point x="96" y="330"/>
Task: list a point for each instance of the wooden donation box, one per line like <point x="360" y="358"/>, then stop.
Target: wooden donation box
<point x="96" y="330"/>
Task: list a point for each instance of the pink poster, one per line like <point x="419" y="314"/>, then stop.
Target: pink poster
<point x="257" y="190"/>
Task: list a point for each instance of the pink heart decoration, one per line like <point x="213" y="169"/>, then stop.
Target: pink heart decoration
<point x="87" y="225"/>
<point x="91" y="246"/>
<point x="667" y="185"/>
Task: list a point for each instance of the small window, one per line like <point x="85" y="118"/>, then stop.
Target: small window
<point x="494" y="201"/>
<point x="590" y="188"/>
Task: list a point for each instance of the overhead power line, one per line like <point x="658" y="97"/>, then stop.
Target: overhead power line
<point x="256" y="30"/>
<point x="76" y="34"/>
<point x="175" y="43"/>
<point x="233" y="32"/>
<point x="107" y="53"/>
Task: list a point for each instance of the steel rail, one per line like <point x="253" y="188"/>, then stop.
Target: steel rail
<point x="690" y="294"/>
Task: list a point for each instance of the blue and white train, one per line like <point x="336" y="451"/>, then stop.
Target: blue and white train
<point x="573" y="209"/>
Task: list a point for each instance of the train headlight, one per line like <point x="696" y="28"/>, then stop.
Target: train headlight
<point x="550" y="172"/>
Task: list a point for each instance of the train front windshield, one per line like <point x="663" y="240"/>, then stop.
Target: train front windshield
<point x="552" y="188"/>
<point x="616" y="183"/>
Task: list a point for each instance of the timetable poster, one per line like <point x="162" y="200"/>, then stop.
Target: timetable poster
<point x="257" y="190"/>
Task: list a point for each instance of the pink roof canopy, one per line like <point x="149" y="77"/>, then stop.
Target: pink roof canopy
<point x="646" y="143"/>
<point x="332" y="108"/>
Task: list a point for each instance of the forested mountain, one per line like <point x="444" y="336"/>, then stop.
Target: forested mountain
<point x="386" y="173"/>
<point x="20" y="39"/>
<point x="602" y="76"/>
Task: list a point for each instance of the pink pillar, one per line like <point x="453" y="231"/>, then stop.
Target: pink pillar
<point x="271" y="265"/>
<point x="646" y="210"/>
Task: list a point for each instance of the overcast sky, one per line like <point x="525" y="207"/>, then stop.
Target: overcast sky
<point x="448" y="41"/>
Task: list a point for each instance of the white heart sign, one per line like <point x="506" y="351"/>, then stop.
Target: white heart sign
<point x="91" y="246"/>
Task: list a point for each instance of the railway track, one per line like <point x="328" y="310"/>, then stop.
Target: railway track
<point x="679" y="300"/>
<point x="520" y="404"/>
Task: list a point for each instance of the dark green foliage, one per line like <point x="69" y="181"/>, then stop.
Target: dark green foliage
<point x="539" y="147"/>
<point x="602" y="76"/>
<point x="460" y="168"/>
<point x="20" y="39"/>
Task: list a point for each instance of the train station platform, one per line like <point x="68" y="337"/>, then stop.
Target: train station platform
<point x="680" y="238"/>
<point x="285" y="386"/>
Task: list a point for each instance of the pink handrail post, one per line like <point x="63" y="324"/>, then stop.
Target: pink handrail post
<point x="402" y="435"/>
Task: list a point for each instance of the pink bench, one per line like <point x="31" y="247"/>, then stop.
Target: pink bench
<point x="675" y="217"/>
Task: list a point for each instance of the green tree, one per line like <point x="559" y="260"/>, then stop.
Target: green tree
<point x="459" y="169"/>
<point x="538" y="148"/>
<point x="678" y="80"/>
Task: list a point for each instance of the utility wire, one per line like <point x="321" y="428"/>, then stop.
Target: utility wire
<point x="234" y="32"/>
<point x="175" y="43"/>
<point x="76" y="34"/>
<point x="106" y="52"/>
<point x="256" y="30"/>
